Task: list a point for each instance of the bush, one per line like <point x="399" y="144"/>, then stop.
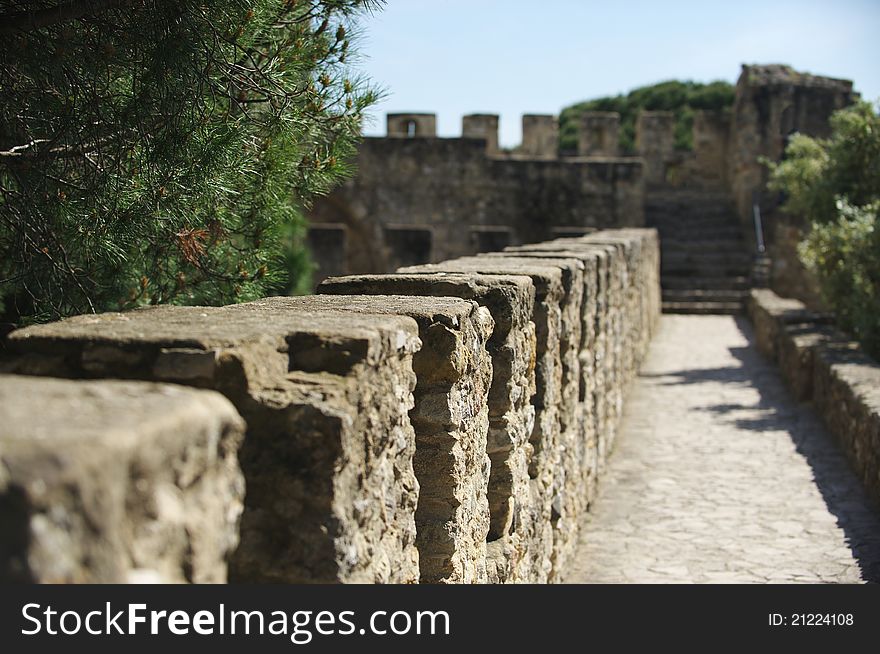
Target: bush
<point x="163" y="151"/>
<point x="681" y="98"/>
<point x="835" y="185"/>
<point x="845" y="255"/>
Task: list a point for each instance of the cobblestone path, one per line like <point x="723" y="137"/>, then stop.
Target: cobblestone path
<point x="718" y="475"/>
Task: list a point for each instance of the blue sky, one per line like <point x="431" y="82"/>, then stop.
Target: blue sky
<point x="511" y="57"/>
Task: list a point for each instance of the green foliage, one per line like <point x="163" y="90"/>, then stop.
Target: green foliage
<point x="681" y="98"/>
<point x="835" y="185"/>
<point x="163" y="151"/>
<point x="845" y="255"/>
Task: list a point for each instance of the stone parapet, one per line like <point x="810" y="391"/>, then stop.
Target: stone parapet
<point x="314" y="387"/>
<point x="824" y="366"/>
<point x="447" y="423"/>
<point x="117" y="482"/>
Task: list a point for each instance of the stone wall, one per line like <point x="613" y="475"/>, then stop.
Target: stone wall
<point x="446" y="423"/>
<point x="424" y="199"/>
<point x="823" y="366"/>
<point x="773" y="102"/>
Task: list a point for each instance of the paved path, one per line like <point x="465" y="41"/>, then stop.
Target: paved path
<point x="718" y="475"/>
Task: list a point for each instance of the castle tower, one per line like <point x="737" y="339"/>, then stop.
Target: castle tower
<point x="482" y="126"/>
<point x="540" y="135"/>
<point x="412" y="125"/>
<point x="599" y="132"/>
<point x="774" y="101"/>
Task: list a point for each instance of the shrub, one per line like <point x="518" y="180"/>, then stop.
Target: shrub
<point x="163" y="151"/>
<point x="834" y="184"/>
<point x="845" y="255"/>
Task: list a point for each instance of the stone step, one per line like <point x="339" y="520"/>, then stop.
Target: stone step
<point x="690" y="213"/>
<point x="685" y="204"/>
<point x="723" y="308"/>
<point x="687" y="257"/>
<point x="690" y="272"/>
<point x="686" y="211"/>
<point x="731" y="233"/>
<point x="674" y="246"/>
<point x="704" y="295"/>
<point x="719" y="282"/>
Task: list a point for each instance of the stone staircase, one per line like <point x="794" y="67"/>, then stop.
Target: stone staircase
<point x="705" y="262"/>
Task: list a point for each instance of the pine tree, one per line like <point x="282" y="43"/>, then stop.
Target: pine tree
<point x="157" y="151"/>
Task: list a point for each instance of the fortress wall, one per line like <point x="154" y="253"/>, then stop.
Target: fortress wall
<point x="438" y="424"/>
<point x="456" y="201"/>
<point x="314" y="387"/>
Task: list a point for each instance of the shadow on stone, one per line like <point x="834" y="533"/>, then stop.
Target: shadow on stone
<point x="841" y="490"/>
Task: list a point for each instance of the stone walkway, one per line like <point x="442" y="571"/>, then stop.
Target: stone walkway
<point x="718" y="475"/>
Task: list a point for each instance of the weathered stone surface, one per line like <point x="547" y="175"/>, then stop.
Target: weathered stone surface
<point x="603" y="367"/>
<point x="794" y="349"/>
<point x="116" y="481"/>
<point x="450" y="417"/>
<point x="617" y="301"/>
<point x="510" y="301"/>
<point x="544" y="467"/>
<point x="569" y="492"/>
<point x="331" y="492"/>
<point x="589" y="400"/>
<point x="821" y="364"/>
<point x="768" y="311"/>
<point x="846" y="392"/>
<point x="493" y="383"/>
<point x="720" y="477"/>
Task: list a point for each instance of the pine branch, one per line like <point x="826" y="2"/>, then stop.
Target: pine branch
<point x="29" y="20"/>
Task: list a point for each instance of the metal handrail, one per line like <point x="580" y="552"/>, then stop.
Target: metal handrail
<point x="759" y="228"/>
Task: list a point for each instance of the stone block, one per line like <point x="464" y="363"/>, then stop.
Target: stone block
<point x="544" y="468"/>
<point x="327" y="459"/>
<point x="768" y="312"/>
<point x="510" y="301"/>
<point x="846" y="393"/>
<point x="591" y="403"/>
<point x="116" y="482"/>
<point x="795" y="346"/>
<point x="570" y="493"/>
<point x="451" y="419"/>
<point x="603" y="381"/>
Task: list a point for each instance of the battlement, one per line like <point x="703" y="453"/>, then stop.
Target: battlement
<point x="598" y="135"/>
<point x="385" y="430"/>
<point x="540" y="133"/>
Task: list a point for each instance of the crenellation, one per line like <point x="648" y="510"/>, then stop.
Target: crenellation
<point x="655" y="143"/>
<point x="482" y="126"/>
<point x="540" y="136"/>
<point x="310" y="384"/>
<point x="439" y="424"/>
<point x="510" y="301"/>
<point x="450" y="417"/>
<point x="117" y="482"/>
<point x="412" y="125"/>
<point x="599" y="134"/>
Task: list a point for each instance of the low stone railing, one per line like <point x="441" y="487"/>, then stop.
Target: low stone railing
<point x="822" y="365"/>
<point x="444" y="423"/>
